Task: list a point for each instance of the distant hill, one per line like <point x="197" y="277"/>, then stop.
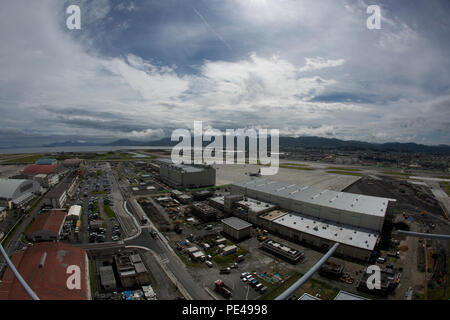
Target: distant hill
<point x="316" y="143"/>
<point x="70" y="144"/>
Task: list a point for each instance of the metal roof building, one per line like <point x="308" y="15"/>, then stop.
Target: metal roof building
<point x="44" y="267"/>
<point x="17" y="190"/>
<point x="319" y="217"/>
<point x="237" y="228"/>
<point x="342" y="207"/>
<point x="47" y="226"/>
<point x="344" y="295"/>
<point x="33" y="169"/>
<point x="46" y="161"/>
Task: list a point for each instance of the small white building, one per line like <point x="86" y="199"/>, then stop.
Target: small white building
<point x="198" y="256"/>
<point x="74" y="212"/>
<point x="229" y="250"/>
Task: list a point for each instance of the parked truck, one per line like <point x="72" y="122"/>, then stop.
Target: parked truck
<point x="223" y="289"/>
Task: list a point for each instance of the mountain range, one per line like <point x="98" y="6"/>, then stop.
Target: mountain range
<point x="308" y="142"/>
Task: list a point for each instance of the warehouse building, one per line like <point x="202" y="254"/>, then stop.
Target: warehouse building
<point x="320" y="217"/>
<point x="47" y="226"/>
<point x="17" y="192"/>
<point x="236" y="228"/>
<point x="186" y="176"/>
<point x="46" y="161"/>
<point x="47" y="180"/>
<point x="57" y="197"/>
<point x="44" y="266"/>
<point x="34" y="169"/>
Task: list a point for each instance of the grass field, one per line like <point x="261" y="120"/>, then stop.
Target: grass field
<point x="92" y="278"/>
<point x="226" y="260"/>
<point x="398" y="173"/>
<point x="345" y="173"/>
<point x="296" y="167"/>
<point x="109" y="212"/>
<point x="344" y="169"/>
<point x="95" y="193"/>
<point x="277" y="290"/>
<point x="23" y="159"/>
<point x="311" y="286"/>
<point x="314" y="287"/>
<point x="446" y="187"/>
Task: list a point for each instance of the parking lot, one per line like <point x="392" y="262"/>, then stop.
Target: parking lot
<point x="97" y="221"/>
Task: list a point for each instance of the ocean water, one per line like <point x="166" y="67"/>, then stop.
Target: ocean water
<point x="77" y="149"/>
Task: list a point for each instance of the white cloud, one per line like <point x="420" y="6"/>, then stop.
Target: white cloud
<point x="321" y="63"/>
<point x="301" y="52"/>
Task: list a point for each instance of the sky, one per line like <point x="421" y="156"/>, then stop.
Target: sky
<point x="140" y="69"/>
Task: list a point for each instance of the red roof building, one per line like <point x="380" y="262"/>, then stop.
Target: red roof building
<point x="34" y="169"/>
<point x="44" y="266"/>
<point x="47" y="226"/>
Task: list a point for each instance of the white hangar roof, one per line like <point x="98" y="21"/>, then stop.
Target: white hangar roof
<point x="369" y="205"/>
<point x="330" y="230"/>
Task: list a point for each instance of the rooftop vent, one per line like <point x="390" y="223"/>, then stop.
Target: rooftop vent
<point x="43" y="258"/>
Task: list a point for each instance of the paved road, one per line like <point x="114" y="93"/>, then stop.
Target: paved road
<point x="15" y="242"/>
<point x="128" y="225"/>
<point x="176" y="267"/>
<point x="140" y="236"/>
<point x="441" y="196"/>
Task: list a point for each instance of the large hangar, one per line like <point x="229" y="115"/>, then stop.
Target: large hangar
<point x="343" y="207"/>
<point x="17" y="191"/>
<point x="320" y="217"/>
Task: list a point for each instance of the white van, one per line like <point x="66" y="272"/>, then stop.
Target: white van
<point x="381" y="260"/>
<point x="209" y="263"/>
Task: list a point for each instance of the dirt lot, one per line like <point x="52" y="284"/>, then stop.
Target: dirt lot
<point x="415" y="210"/>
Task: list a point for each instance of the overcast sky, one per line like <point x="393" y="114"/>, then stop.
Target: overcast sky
<point x="140" y="69"/>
